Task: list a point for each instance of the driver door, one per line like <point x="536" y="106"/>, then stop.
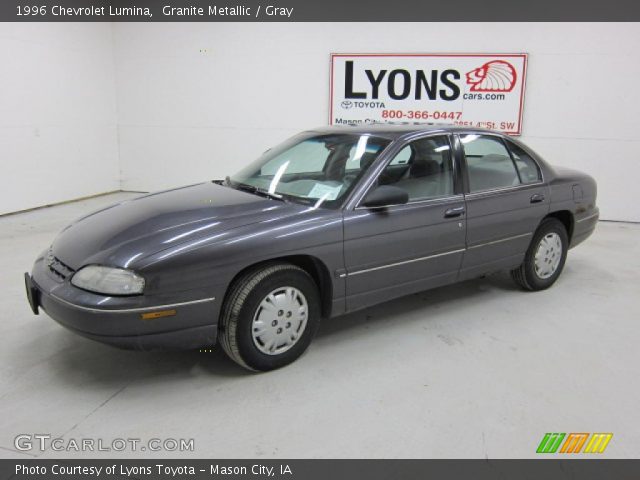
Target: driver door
<point x="397" y="250"/>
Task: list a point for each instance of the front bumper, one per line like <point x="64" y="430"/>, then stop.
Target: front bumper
<point x="126" y="322"/>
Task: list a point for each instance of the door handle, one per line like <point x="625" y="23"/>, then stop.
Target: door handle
<point x="454" y="212"/>
<point x="537" y="198"/>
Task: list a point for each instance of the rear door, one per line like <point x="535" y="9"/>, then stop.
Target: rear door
<point x="505" y="201"/>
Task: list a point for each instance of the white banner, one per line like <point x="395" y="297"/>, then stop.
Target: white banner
<point x="477" y="90"/>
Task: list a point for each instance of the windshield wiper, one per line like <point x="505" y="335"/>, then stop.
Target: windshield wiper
<point x="256" y="191"/>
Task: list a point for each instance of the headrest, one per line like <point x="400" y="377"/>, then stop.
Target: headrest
<point x="423" y="166"/>
<point x="367" y="159"/>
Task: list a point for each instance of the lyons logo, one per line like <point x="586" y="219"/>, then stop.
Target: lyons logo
<point x="494" y="76"/>
<point x="574" y="442"/>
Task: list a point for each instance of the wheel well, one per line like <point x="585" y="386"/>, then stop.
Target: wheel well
<point x="566" y="217"/>
<point x="313" y="266"/>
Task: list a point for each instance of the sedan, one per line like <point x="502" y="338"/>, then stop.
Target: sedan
<point x="331" y="221"/>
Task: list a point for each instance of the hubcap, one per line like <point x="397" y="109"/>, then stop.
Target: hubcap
<point x="548" y="255"/>
<point x="279" y="321"/>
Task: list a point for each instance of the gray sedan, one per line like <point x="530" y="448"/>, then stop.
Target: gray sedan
<point x="331" y="221"/>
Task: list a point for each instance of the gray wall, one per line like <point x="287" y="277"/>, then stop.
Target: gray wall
<point x="92" y="107"/>
<point x="185" y="116"/>
<point x="58" y="113"/>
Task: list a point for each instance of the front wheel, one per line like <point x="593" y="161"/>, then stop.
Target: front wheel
<point x="270" y="316"/>
<point x="545" y="256"/>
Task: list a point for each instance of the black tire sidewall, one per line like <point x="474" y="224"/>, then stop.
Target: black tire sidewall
<point x="550" y="225"/>
<point x="249" y="353"/>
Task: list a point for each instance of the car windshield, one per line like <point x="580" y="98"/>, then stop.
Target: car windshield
<point x="318" y="170"/>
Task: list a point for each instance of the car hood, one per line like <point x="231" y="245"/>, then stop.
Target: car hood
<point x="125" y="233"/>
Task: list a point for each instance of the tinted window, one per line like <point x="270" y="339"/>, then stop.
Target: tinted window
<point x="423" y="169"/>
<point x="527" y="167"/>
<point x="488" y="163"/>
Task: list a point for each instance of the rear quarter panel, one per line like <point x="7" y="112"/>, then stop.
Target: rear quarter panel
<point x="576" y="192"/>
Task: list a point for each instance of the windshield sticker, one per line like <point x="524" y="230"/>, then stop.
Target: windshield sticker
<point x="326" y="191"/>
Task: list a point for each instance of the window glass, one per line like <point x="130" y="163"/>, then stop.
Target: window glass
<point x="527" y="167"/>
<point x="360" y="159"/>
<point x="316" y="170"/>
<point x="403" y="156"/>
<point x="424" y="170"/>
<point x="488" y="163"/>
<point x="305" y="157"/>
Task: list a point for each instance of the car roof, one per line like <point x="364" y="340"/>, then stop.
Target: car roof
<point x="395" y="130"/>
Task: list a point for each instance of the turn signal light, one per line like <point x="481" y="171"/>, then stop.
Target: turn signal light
<point x="160" y="314"/>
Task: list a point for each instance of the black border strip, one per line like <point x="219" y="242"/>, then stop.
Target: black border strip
<point x="341" y="11"/>
<point x="548" y="469"/>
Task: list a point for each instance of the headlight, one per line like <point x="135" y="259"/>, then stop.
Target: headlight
<point x="108" y="280"/>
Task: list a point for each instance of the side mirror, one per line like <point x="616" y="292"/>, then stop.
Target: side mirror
<point x="385" y="196"/>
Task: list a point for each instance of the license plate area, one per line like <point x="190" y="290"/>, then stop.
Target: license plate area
<point x="32" y="294"/>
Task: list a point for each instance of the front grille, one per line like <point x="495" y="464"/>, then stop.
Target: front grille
<point x="57" y="267"/>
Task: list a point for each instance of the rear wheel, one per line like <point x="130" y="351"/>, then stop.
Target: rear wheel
<point x="545" y="256"/>
<point x="270" y="316"/>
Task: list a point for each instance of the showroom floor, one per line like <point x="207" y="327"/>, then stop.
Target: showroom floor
<point x="479" y="369"/>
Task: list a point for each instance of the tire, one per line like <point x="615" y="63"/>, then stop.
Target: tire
<point x="537" y="276"/>
<point x="269" y="299"/>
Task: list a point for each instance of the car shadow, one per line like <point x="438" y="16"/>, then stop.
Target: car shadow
<point x="77" y="360"/>
<point x="428" y="303"/>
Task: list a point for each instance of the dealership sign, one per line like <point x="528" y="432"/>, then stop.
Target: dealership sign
<point x="475" y="90"/>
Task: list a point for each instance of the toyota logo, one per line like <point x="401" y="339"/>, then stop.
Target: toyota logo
<point x="347" y="104"/>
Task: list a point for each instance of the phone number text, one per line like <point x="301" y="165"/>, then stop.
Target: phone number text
<point x="421" y="115"/>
